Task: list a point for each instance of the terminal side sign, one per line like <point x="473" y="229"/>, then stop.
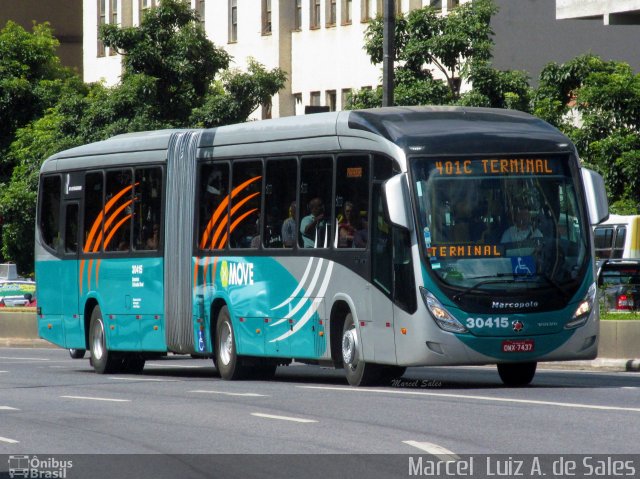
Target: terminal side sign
<point x="499" y="166"/>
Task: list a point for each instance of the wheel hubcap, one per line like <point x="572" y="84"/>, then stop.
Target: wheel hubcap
<point x="226" y="344"/>
<point x="349" y="347"/>
<point x="97" y="342"/>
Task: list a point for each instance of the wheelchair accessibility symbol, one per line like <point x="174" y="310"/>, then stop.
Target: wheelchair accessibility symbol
<point x="523" y="266"/>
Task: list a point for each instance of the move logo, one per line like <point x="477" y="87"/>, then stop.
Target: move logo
<point x="236" y="274"/>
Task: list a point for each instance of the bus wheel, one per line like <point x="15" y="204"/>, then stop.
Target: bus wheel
<point x="77" y="353"/>
<point x="357" y="371"/>
<point x="227" y="361"/>
<point x="103" y="360"/>
<point x="517" y="374"/>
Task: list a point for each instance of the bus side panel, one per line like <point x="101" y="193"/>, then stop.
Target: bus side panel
<point x="73" y="321"/>
<point x="273" y="313"/>
<point x="130" y="292"/>
<point x="50" y="301"/>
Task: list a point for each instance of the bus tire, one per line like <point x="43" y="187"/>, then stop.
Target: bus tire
<point x="102" y="360"/>
<point x="228" y="362"/>
<point x="77" y="353"/>
<point x="357" y="371"/>
<point x="517" y="374"/>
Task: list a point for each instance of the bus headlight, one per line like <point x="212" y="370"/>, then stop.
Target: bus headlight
<point x="440" y="315"/>
<point x="584" y="309"/>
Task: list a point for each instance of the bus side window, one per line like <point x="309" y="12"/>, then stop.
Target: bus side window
<point x="50" y="211"/>
<point x="118" y="211"/>
<point x="244" y="219"/>
<point x="279" y="228"/>
<point x="147" y="207"/>
<point x="213" y="206"/>
<point x="316" y="178"/>
<point x="93" y="207"/>
<point x="352" y="202"/>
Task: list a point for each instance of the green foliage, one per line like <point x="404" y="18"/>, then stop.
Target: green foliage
<point x="454" y="47"/>
<point x="31" y="80"/>
<point x="238" y="94"/>
<point x="597" y="104"/>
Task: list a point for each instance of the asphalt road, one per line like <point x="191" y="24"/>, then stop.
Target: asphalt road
<point x="51" y="404"/>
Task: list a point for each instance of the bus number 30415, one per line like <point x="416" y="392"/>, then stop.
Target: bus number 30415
<point x="501" y="322"/>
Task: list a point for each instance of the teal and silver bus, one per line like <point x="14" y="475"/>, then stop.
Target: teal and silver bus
<point x="368" y="240"/>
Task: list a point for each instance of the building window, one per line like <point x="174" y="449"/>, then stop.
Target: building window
<point x="266" y="17"/>
<point x="266" y="111"/>
<point x="145" y="5"/>
<point x="102" y="19"/>
<point x="437" y="4"/>
<point x="452" y="4"/>
<point x="200" y="9"/>
<point x="346" y="12"/>
<point x="315" y="14"/>
<point x="297" y="25"/>
<point x="345" y="94"/>
<point x="113" y="20"/>
<point x="314" y="98"/>
<point x="331" y="13"/>
<point x="330" y="99"/>
<point x="370" y="9"/>
<point x="233" y="20"/>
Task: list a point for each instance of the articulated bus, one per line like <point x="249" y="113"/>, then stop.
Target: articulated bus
<point x="618" y="237"/>
<point x="368" y="240"/>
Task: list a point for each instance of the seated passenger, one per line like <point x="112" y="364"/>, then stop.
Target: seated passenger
<point x="522" y="228"/>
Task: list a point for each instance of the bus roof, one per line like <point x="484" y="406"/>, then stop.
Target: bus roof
<point x="432" y="130"/>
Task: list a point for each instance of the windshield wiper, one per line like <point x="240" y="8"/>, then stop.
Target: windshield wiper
<point x="495" y="280"/>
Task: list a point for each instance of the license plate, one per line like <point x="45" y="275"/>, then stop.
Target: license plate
<point x="517" y="346"/>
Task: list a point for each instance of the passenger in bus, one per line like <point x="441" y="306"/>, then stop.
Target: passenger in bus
<point x="289" y="228"/>
<point x="313" y="226"/>
<point x="352" y="231"/>
<point x="522" y="228"/>
<point x="154" y="240"/>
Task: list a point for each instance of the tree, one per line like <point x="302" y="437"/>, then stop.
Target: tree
<point x="31" y="80"/>
<point x="436" y="53"/>
<point x="597" y="104"/>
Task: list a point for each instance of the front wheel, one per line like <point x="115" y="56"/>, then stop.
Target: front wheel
<point x="357" y="371"/>
<point x="517" y="374"/>
<point x="228" y="363"/>
<point x="103" y="360"/>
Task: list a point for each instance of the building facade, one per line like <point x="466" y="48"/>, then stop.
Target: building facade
<point x="612" y="12"/>
<point x="319" y="43"/>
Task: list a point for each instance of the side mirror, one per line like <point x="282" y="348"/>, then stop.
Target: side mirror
<point x="396" y="198"/>
<point x="596" y="196"/>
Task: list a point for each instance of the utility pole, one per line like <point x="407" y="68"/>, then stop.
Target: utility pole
<point x="388" y="51"/>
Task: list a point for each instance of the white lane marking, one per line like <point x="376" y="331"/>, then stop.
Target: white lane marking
<point x="144" y="379"/>
<point x="24" y="359"/>
<point x="8" y="408"/>
<point x="434" y="449"/>
<point x="4" y="371"/>
<point x="282" y="418"/>
<point x="10" y="441"/>
<point x="623" y="387"/>
<point x="253" y="395"/>
<point x="479" y="398"/>
<point x="96" y="398"/>
<point x="154" y="365"/>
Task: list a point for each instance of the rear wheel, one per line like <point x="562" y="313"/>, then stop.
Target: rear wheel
<point x="228" y="363"/>
<point x="357" y="371"/>
<point x="103" y="360"/>
<point x="517" y="374"/>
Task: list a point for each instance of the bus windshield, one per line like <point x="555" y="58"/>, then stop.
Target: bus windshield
<point x="504" y="224"/>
